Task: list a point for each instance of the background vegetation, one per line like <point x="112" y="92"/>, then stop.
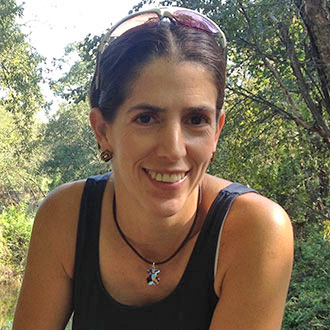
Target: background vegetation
<point x="276" y="138"/>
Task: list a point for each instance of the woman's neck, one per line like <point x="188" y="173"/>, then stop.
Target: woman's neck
<point x="152" y="233"/>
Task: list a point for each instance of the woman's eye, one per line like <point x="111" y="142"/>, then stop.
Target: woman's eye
<point x="144" y="119"/>
<point x="198" y="120"/>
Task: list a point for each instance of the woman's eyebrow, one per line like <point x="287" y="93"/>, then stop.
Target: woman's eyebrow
<point x="156" y="109"/>
<point x="202" y="108"/>
<point x="146" y="106"/>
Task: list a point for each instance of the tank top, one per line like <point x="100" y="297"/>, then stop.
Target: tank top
<point x="190" y="305"/>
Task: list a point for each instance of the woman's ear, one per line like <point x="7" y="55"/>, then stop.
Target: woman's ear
<point x="99" y="126"/>
<point x="221" y="122"/>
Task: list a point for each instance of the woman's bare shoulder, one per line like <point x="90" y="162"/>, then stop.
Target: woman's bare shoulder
<point x="253" y="224"/>
<point x="62" y="204"/>
<point x="57" y="221"/>
<point x="260" y="214"/>
<point x="257" y="229"/>
<point x="66" y="195"/>
<point x="249" y="208"/>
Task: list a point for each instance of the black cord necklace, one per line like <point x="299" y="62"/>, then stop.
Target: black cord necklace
<point x="153" y="273"/>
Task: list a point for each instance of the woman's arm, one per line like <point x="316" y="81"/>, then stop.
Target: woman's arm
<point x="45" y="300"/>
<point x="255" y="264"/>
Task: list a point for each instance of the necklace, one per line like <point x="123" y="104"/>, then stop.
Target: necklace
<point x="153" y="272"/>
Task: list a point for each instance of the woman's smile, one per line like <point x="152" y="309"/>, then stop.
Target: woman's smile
<point x="165" y="176"/>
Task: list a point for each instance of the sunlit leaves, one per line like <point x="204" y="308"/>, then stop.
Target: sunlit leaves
<point x="74" y="85"/>
<point x="19" y="66"/>
<point x="70" y="146"/>
<point x="20" y="101"/>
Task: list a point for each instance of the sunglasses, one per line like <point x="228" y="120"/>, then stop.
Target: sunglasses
<point x="152" y="17"/>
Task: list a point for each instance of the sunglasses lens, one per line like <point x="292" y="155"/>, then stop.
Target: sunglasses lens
<point x="194" y="21"/>
<point x="135" y="21"/>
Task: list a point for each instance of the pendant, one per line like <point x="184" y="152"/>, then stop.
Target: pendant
<point x="153" y="278"/>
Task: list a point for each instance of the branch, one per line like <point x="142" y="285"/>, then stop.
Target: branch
<point x="275" y="108"/>
<point x="283" y="87"/>
<point x="296" y="117"/>
<point x="324" y="216"/>
<point x="320" y="127"/>
<point x="6" y="74"/>
<point x="300" y="79"/>
<point x="25" y="178"/>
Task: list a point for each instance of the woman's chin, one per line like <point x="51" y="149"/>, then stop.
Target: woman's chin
<point x="166" y="208"/>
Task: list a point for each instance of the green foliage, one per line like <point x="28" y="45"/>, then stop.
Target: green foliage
<point x="20" y="101"/>
<point x="309" y="294"/>
<point x="74" y="85"/>
<point x="20" y="72"/>
<point x="326" y="224"/>
<point x="18" y="163"/>
<point x="70" y="146"/>
<point x="15" y="230"/>
<point x="16" y="225"/>
<point x="273" y="157"/>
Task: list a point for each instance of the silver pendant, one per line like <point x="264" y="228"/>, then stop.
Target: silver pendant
<point x="153" y="278"/>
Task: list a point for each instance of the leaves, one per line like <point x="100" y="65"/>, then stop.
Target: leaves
<point x="70" y="146"/>
<point x="19" y="67"/>
<point x="74" y="85"/>
<point x="309" y="294"/>
<point x="20" y="101"/>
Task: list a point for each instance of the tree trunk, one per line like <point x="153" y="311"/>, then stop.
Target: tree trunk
<point x="316" y="16"/>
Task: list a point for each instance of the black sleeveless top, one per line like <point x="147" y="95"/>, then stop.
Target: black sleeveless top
<point x="190" y="306"/>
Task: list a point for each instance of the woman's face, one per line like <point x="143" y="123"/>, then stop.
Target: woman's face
<point x="163" y="136"/>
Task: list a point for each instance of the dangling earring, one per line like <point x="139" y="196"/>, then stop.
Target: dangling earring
<point x="213" y="157"/>
<point x="106" y="155"/>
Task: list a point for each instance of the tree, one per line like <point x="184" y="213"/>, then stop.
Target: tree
<point x="18" y="180"/>
<point x="316" y="17"/>
<point x="20" y="100"/>
<point x="70" y="145"/>
<point x="74" y="85"/>
<point x="20" y="72"/>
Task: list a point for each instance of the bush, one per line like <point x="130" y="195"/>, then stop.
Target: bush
<point x="16" y="225"/>
<point x="309" y="293"/>
<point x="15" y="230"/>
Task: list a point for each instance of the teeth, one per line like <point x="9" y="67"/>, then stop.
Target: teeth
<point x="166" y="177"/>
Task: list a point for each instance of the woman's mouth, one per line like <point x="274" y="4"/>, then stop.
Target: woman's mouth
<point x="166" y="177"/>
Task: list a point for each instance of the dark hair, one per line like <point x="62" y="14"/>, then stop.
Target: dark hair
<point x="126" y="56"/>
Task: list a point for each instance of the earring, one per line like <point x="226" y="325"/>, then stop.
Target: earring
<point x="213" y="157"/>
<point x="106" y="155"/>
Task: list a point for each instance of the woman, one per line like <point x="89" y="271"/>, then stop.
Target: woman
<point x="140" y="248"/>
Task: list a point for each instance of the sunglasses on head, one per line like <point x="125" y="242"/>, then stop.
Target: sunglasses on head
<point x="152" y="17"/>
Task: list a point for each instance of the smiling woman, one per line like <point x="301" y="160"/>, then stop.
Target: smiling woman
<point x="160" y="133"/>
<point x="157" y="243"/>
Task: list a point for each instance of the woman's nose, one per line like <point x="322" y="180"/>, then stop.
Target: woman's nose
<point x="171" y="142"/>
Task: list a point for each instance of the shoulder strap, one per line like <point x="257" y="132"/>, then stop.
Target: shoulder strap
<point x="223" y="204"/>
<point x="199" y="274"/>
<point x="89" y="227"/>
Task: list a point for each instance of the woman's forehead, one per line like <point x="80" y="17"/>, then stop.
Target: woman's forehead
<point x="163" y="81"/>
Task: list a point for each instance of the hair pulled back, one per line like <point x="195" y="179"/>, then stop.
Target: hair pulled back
<point x="126" y="56"/>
